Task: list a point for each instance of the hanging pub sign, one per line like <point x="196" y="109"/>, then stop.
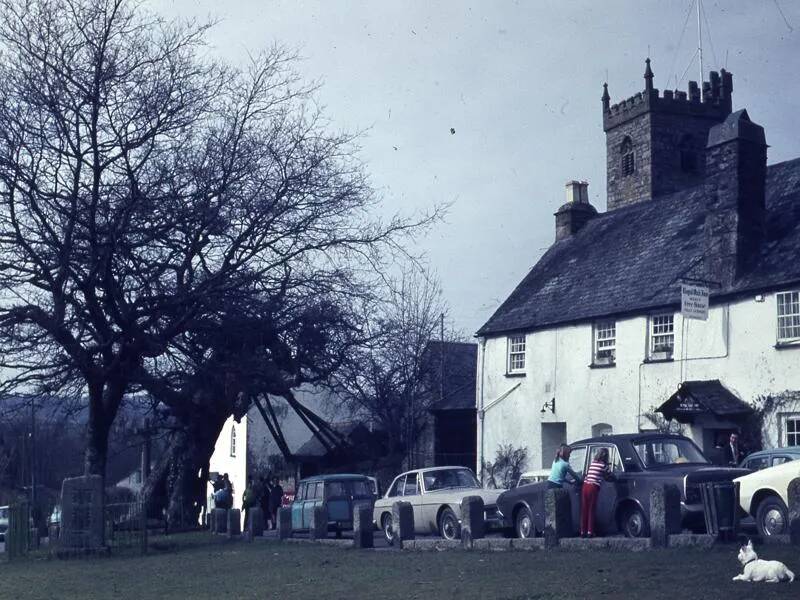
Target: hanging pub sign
<point x="694" y="302"/>
<point x="688" y="405"/>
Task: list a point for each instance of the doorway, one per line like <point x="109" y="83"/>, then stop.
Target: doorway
<point x="553" y="435"/>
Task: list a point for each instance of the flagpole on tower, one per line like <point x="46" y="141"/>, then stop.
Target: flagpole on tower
<point x="700" y="44"/>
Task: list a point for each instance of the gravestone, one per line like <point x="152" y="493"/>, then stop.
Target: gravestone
<point x="318" y="528"/>
<point x="557" y="516"/>
<point x="402" y="523"/>
<point x="362" y="527"/>
<point x="473" y="526"/>
<point x="82" y="524"/>
<point x="284" y="523"/>
<point x="665" y="514"/>
<point x="234" y="522"/>
<point x="793" y="496"/>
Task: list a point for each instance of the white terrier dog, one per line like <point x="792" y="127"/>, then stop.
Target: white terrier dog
<point x="755" y="569"/>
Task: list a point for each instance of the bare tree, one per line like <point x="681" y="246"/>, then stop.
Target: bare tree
<point x="384" y="380"/>
<point x="142" y="183"/>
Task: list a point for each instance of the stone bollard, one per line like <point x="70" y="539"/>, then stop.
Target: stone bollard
<point x="665" y="514"/>
<point x="557" y="516"/>
<point x="362" y="527"/>
<point x="473" y="526"/>
<point x="220" y="520"/>
<point x="402" y="523"/>
<point x="284" y="523"/>
<point x="255" y="524"/>
<point x="793" y="496"/>
<point x="234" y="522"/>
<point x="318" y="528"/>
<point x="211" y="522"/>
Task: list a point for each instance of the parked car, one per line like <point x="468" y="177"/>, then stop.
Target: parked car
<point x="435" y="495"/>
<point x="763" y="495"/>
<point x="639" y="461"/>
<point x="339" y="494"/>
<point x="533" y="477"/>
<point x="770" y="458"/>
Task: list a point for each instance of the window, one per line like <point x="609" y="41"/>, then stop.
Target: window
<point x="412" y="485"/>
<point x="789" y="317"/>
<point x="793" y="431"/>
<point x="779" y="460"/>
<point x="688" y="155"/>
<point x="301" y="492"/>
<point x="758" y="463"/>
<point x="628" y="162"/>
<point x="233" y="440"/>
<point x="516" y="354"/>
<point x="667" y="451"/>
<point x="336" y="489"/>
<point x="397" y="487"/>
<point x="577" y="459"/>
<point x="662" y="336"/>
<point x="613" y="457"/>
<point x="605" y="342"/>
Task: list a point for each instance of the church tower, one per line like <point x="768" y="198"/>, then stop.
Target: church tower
<point x="656" y="144"/>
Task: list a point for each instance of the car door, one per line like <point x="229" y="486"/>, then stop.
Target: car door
<point x="337" y="501"/>
<point x="577" y="460"/>
<point x="412" y="493"/>
<point x="607" y="498"/>
<point x="297" y="506"/>
<point x="313" y="497"/>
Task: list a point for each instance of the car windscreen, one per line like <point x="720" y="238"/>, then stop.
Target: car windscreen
<point x="449" y="478"/>
<point x="657" y="452"/>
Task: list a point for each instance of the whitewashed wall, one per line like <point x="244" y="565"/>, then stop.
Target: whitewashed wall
<point x="736" y="345"/>
<point x="235" y="466"/>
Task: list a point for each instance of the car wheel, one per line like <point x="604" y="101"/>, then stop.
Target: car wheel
<point x="771" y="517"/>
<point x="449" y="527"/>
<point x="523" y="524"/>
<point x="634" y="524"/>
<point x="386" y="525"/>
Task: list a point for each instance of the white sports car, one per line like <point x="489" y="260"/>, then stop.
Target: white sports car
<point x="435" y="495"/>
<point x="763" y="495"/>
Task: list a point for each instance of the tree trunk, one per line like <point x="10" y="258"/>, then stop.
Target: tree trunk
<point x="104" y="401"/>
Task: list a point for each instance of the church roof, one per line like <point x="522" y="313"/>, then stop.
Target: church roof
<point x="631" y="260"/>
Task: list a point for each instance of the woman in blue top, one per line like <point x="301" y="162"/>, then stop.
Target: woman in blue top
<point x="561" y="468"/>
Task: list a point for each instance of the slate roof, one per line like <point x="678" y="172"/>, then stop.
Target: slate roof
<point x="460" y="367"/>
<point x="631" y="260"/>
<point x="710" y="395"/>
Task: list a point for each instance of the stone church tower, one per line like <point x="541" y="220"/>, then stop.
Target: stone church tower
<point x="656" y="144"/>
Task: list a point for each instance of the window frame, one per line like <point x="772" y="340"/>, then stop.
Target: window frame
<point x="794" y="317"/>
<point x="512" y="353"/>
<point x="597" y="326"/>
<point x="794" y="418"/>
<point x="652" y="335"/>
<point x="627" y="161"/>
<point x="233" y="442"/>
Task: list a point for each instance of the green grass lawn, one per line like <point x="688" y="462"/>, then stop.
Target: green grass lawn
<point x="203" y="567"/>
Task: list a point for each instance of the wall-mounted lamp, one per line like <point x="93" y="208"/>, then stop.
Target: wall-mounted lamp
<point x="550" y="404"/>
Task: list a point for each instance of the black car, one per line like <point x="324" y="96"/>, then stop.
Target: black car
<point x="639" y="462"/>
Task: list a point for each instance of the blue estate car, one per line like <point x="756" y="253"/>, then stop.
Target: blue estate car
<point x="769" y="458"/>
<point x="339" y="494"/>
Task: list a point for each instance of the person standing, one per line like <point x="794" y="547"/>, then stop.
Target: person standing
<point x="733" y="453"/>
<point x="263" y="501"/>
<point x="561" y="468"/>
<point x="598" y="472"/>
<point x="248" y="501"/>
<point x="275" y="501"/>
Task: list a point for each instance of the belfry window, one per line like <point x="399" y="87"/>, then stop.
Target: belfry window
<point x="628" y="162"/>
<point x="688" y="155"/>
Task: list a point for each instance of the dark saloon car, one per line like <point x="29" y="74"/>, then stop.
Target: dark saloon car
<point x="639" y="462"/>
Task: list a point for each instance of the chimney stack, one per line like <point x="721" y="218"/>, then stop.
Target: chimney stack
<point x="575" y="212"/>
<point x="736" y="171"/>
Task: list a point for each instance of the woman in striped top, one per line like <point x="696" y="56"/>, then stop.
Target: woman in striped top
<point x="597" y="472"/>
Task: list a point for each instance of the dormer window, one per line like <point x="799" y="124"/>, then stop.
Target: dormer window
<point x="628" y="162"/>
<point x="688" y="155"/>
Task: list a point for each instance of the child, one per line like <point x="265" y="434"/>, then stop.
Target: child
<point x="561" y="469"/>
<point x="597" y="472"/>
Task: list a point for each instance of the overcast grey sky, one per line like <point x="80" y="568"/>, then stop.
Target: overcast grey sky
<point x="520" y="82"/>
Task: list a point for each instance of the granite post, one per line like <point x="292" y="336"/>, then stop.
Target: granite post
<point x="473" y="526"/>
<point x="255" y="524"/>
<point x="402" y="523"/>
<point x="362" y="527"/>
<point x="793" y="496"/>
<point x="234" y="522"/>
<point x="284" y="523"/>
<point x="220" y="520"/>
<point x="665" y="514"/>
<point x="557" y="516"/>
<point x="318" y="528"/>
